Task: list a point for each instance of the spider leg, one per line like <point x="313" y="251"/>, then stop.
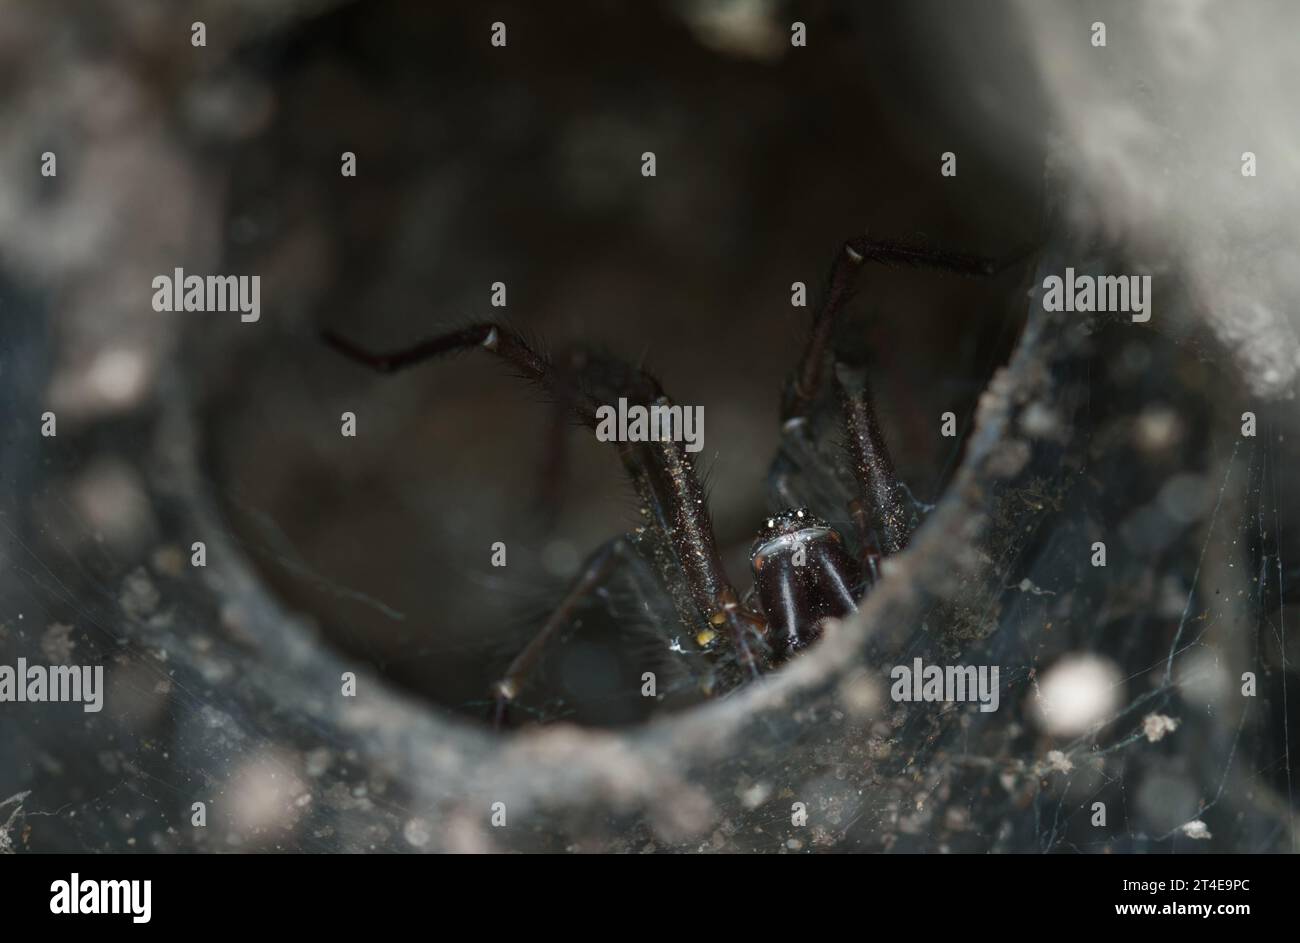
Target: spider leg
<point x="662" y="471"/>
<point x="595" y="571"/>
<point x="806" y="383"/>
<point x="878" y="511"/>
<point x="497" y="339"/>
<point x="879" y="514"/>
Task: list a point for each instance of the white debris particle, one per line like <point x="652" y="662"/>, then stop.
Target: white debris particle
<point x="57" y="644"/>
<point x="1058" y="762"/>
<point x="263" y="794"/>
<point x="1077" y="693"/>
<point x="1196" y="829"/>
<point x="1029" y="586"/>
<point x="1155" y="726"/>
<point x="139" y="597"/>
<point x="1041" y="422"/>
<point x="755" y="795"/>
<point x="417" y="832"/>
<point x="743" y="30"/>
<point x="116" y="377"/>
<point x="6" y="841"/>
<point x="112" y="499"/>
<point x="860" y="695"/>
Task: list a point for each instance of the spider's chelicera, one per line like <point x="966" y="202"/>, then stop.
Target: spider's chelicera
<point x="804" y="571"/>
<point x="803" y="575"/>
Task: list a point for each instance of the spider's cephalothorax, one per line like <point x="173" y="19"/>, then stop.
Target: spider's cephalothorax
<point x="803" y="574"/>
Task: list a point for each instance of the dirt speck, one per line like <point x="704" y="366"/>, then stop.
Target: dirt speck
<point x="57" y="644"/>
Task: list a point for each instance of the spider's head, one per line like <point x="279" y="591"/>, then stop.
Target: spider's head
<point x="803" y="574"/>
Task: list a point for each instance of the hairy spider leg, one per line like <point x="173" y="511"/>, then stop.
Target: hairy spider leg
<point x="662" y="472"/>
<point x="664" y="475"/>
<point x="806" y="383"/>
<point x="595" y="571"/>
<point x="674" y="487"/>
<point x="878" y="513"/>
<point x="495" y="338"/>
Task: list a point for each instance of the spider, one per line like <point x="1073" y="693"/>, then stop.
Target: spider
<point x="804" y="570"/>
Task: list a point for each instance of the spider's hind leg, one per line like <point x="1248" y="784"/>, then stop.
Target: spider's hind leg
<point x="595" y="572"/>
<point x="623" y="573"/>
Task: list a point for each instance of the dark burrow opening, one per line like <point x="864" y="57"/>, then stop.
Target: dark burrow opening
<point x="475" y="168"/>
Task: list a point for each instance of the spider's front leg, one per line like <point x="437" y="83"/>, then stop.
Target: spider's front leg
<point x="879" y="513"/>
<point x="662" y="472"/>
<point x="841" y="285"/>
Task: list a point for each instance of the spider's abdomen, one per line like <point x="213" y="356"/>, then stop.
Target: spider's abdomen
<point x="803" y="574"/>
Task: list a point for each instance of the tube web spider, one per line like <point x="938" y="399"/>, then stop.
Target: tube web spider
<point x="804" y="571"/>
